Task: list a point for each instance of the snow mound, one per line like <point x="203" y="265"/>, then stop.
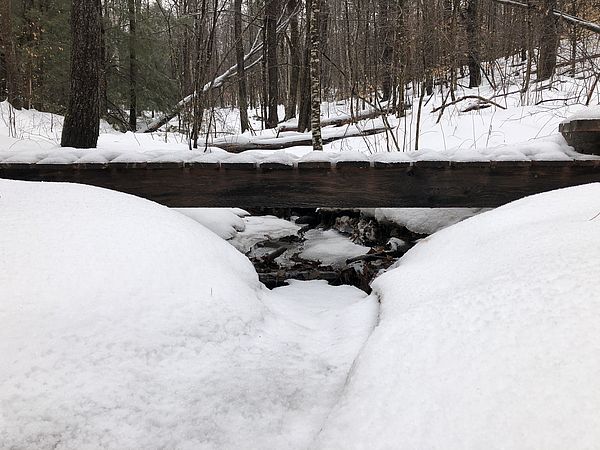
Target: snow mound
<point x="488" y="337"/>
<point x="114" y="313"/>
<point x="225" y="222"/>
<point x="422" y="220"/>
<point x="330" y="247"/>
<point x="124" y="324"/>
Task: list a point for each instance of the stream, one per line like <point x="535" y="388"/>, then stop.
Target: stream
<point x="339" y="246"/>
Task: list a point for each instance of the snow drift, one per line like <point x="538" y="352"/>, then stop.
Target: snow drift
<point x="489" y="336"/>
<point x="124" y="324"/>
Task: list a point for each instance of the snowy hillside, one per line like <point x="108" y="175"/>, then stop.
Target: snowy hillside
<point x="488" y="336"/>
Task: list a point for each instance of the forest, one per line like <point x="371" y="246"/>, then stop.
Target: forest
<point x="140" y="63"/>
<point x="299" y="224"/>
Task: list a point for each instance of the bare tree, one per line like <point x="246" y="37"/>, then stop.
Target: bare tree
<point x="11" y="83"/>
<point x="548" y="39"/>
<point x="473" y="38"/>
<point x="241" y="70"/>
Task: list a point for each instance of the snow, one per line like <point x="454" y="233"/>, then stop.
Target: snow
<point x="262" y="228"/>
<point x="330" y="247"/>
<point x="527" y="130"/>
<point x="422" y="220"/>
<point x="585" y="113"/>
<point x="487" y="338"/>
<point x="224" y="222"/>
<point x="124" y="324"/>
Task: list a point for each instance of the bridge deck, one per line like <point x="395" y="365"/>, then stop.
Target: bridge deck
<point x="345" y="184"/>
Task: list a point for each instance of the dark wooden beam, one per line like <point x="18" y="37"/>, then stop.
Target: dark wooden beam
<point x="345" y="185"/>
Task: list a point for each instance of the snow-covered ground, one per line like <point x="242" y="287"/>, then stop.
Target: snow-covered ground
<point x="527" y="129"/>
<point x="124" y="324"/>
<point x="488" y="336"/>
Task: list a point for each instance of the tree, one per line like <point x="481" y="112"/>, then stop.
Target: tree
<point x="315" y="75"/>
<point x="82" y="120"/>
<point x="386" y="38"/>
<point x="131" y="6"/>
<point x="271" y="12"/>
<point x="472" y="27"/>
<point x="11" y="88"/>
<point x="295" y="63"/>
<point x="239" y="55"/>
<point x="548" y="39"/>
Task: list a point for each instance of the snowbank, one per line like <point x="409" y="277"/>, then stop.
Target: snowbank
<point x="124" y="324"/>
<point x="224" y="222"/>
<point x="488" y="336"/>
<point x="422" y="220"/>
<point x="585" y="113"/>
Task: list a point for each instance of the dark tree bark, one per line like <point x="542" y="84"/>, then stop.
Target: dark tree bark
<point x="295" y="63"/>
<point x="315" y="75"/>
<point x="11" y="83"/>
<point x="131" y="6"/>
<point x="82" y="121"/>
<point x="472" y="27"/>
<point x="271" y="12"/>
<point x="548" y="39"/>
<point x="239" y="53"/>
<point x="386" y="51"/>
<point x="103" y="95"/>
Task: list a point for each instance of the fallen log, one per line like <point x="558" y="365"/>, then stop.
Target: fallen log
<point x="591" y="26"/>
<point x="290" y="141"/>
<point x="339" y="120"/>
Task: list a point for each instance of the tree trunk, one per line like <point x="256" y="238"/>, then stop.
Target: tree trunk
<point x="271" y="12"/>
<point x="11" y="83"/>
<point x="548" y="39"/>
<point x="386" y="51"/>
<point x="472" y="26"/>
<point x="239" y="53"/>
<point x="131" y="5"/>
<point x="295" y="63"/>
<point x="305" y="87"/>
<point x="82" y="121"/>
<point x="315" y="76"/>
<point x="103" y="83"/>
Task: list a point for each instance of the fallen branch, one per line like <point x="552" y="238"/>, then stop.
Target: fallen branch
<point x="304" y="139"/>
<point x="591" y="26"/>
<point x="339" y="120"/>
<point x="467" y="97"/>
<point x="217" y="82"/>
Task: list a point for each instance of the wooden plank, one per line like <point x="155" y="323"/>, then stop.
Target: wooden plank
<point x="583" y="135"/>
<point x="420" y="184"/>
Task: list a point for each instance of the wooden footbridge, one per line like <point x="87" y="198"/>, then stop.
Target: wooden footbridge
<point x="321" y="184"/>
<point x="342" y="184"/>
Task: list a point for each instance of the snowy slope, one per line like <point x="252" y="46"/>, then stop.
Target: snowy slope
<point x="124" y="324"/>
<point x="489" y="336"/>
